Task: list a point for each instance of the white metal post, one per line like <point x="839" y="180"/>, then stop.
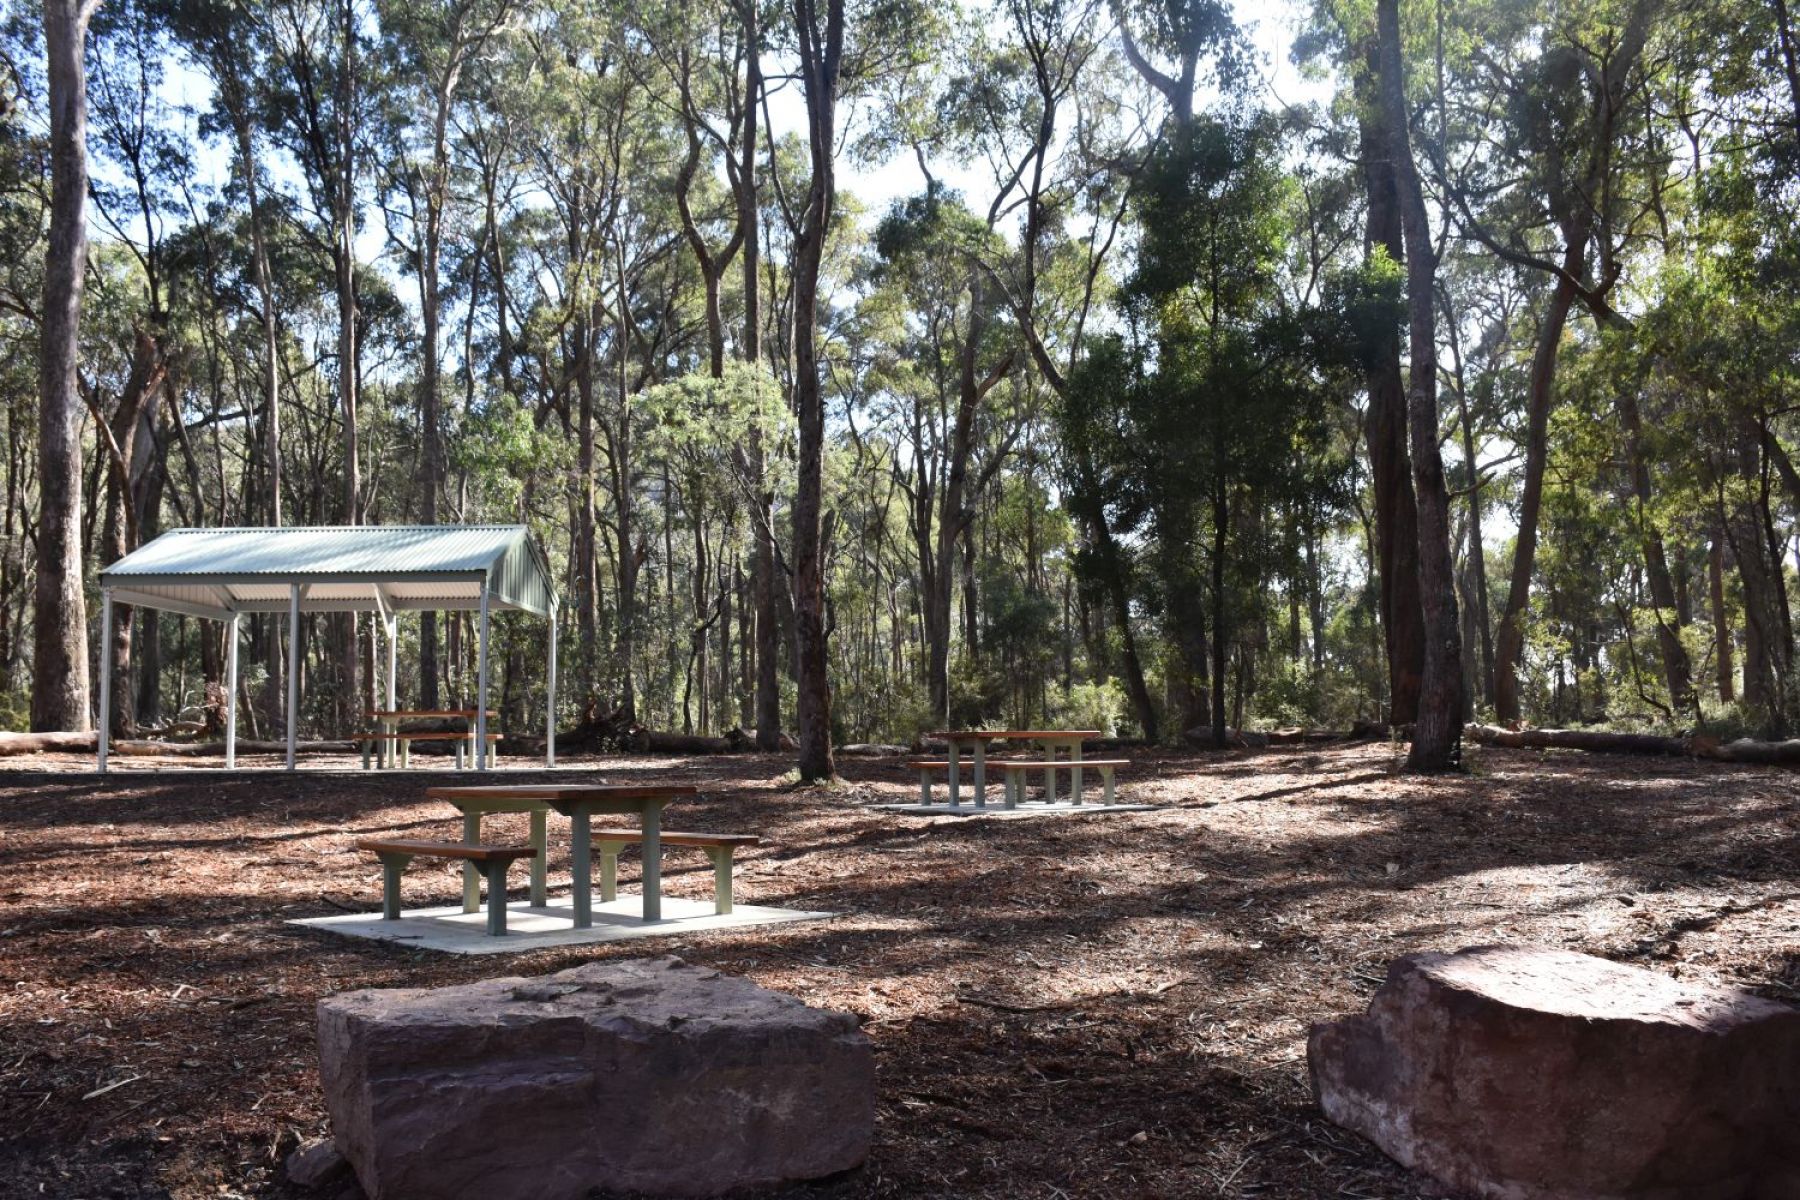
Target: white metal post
<point x="481" y="686"/>
<point x="231" y="689"/>
<point x="104" y="738"/>
<point x="293" y="697"/>
<point x="550" y="701"/>
<point x="391" y="623"/>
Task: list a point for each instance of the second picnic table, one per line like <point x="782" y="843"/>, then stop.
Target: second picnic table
<point x="579" y="803"/>
<point x="393" y="742"/>
<point x="976" y="740"/>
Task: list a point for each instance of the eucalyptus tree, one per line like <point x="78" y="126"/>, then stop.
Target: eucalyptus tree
<point x="1437" y="732"/>
<point x="710" y="57"/>
<point x="1224" y="395"/>
<point x="317" y="102"/>
<point x="224" y="40"/>
<point x="59" y="688"/>
<point x="431" y="45"/>
<point x="1565" y="172"/>
<point x="1050" y="108"/>
<point x="142" y="158"/>
<point x="956" y="349"/>
<point x="819" y="32"/>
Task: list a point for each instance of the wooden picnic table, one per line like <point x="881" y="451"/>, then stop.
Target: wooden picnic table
<point x="579" y="803"/>
<point x="1053" y="740"/>
<point x="389" y="721"/>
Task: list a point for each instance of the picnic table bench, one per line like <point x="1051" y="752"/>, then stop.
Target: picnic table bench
<point x="719" y="847"/>
<point x="493" y="861"/>
<point x="394" y="745"/>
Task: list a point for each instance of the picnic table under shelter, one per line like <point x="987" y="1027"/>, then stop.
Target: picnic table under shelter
<point x="221" y="574"/>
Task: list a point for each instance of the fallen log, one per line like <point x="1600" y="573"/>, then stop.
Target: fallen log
<point x="871" y="750"/>
<point x="1597" y="740"/>
<point x="1602" y="741"/>
<point x="651" y="741"/>
<point x="132" y="747"/>
<point x="1235" y="739"/>
<point x="1747" y="750"/>
<point x="12" y="744"/>
<point x="1298" y="737"/>
<point x="46" y="743"/>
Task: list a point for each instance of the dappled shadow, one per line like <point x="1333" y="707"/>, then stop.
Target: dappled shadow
<point x="1031" y="985"/>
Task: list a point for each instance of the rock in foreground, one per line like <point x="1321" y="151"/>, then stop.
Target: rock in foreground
<point x="646" y="1076"/>
<point x="1525" y="1074"/>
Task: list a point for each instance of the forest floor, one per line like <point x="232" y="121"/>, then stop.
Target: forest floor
<point x="1099" y="1006"/>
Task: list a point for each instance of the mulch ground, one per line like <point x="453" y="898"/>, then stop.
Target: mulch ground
<point x="1096" y="1006"/>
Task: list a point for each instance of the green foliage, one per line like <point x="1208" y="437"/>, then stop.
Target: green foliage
<point x="1096" y="704"/>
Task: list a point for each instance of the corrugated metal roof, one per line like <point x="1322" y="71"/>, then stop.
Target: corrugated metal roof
<point x="345" y="567"/>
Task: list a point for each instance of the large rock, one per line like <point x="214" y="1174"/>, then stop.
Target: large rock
<point x="645" y="1076"/>
<point x="1524" y="1074"/>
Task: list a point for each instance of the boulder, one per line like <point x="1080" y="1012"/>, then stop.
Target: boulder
<point x="317" y="1164"/>
<point x="1525" y="1074"/>
<point x="646" y="1076"/>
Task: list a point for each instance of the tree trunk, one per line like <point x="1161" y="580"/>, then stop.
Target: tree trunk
<point x="1437" y="733"/>
<point x="59" y="686"/>
<point x="1478" y="580"/>
<point x="821" y="51"/>
<point x="1390" y="465"/>
<point x="430" y="367"/>
<point x="344" y="256"/>
<point x="1539" y="399"/>
<point x="1677" y="671"/>
<point x="1725" y="674"/>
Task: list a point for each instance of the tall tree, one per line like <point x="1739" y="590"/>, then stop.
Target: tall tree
<point x="436" y="41"/>
<point x="59" y="691"/>
<point x="1572" y="112"/>
<point x="1437" y="732"/>
<point x="1390" y="464"/>
<point x="820" y="33"/>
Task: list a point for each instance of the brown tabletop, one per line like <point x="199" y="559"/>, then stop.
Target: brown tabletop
<point x="988" y="735"/>
<point x="571" y="793"/>
<point x="411" y="713"/>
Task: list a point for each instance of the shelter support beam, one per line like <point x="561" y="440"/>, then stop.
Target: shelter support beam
<point x="293" y="679"/>
<point x="103" y="739"/>
<point x="231" y="690"/>
<point x="481" y="686"/>
<point x="550" y="698"/>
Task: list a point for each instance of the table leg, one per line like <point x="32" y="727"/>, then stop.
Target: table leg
<point x="392" y="867"/>
<point x="653" y="861"/>
<point x="496" y="912"/>
<point x="581" y="866"/>
<point x="955" y="773"/>
<point x="980" y="752"/>
<point x="1075" y="772"/>
<point x="540" y="866"/>
<point x="471" y="873"/>
<point x="609" y="870"/>
<point x="1050" y="773"/>
<point x="392" y="729"/>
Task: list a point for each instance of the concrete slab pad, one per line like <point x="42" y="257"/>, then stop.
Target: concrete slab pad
<point x="453" y="931"/>
<point x="1027" y="809"/>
